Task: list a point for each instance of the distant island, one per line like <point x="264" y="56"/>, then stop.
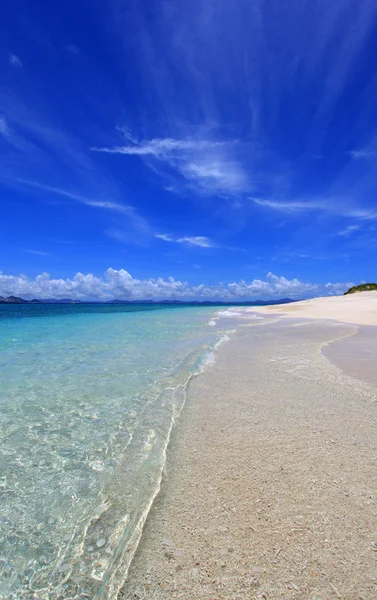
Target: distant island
<point x="17" y="300"/>
<point x="364" y="287"/>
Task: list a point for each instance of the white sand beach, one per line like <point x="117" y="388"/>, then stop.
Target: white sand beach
<point x="359" y="308"/>
<point x="270" y="487"/>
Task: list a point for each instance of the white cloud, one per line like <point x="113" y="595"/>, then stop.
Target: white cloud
<point x="348" y="52"/>
<point x="3" y="126"/>
<point x="288" y="206"/>
<point x="199" y="240"/>
<point x="164" y="236"/>
<point x="129" y="214"/>
<point x="216" y="173"/>
<point x="349" y="230"/>
<point x="7" y="132"/>
<point x="160" y="147"/>
<point x="15" y="61"/>
<point x="171" y="188"/>
<point x="329" y="205"/>
<point x="46" y="151"/>
<point x="37" y="252"/>
<point x="211" y="166"/>
<point x="358" y="154"/>
<point x="105" y="204"/>
<point x="73" y="49"/>
<point x="120" y="284"/>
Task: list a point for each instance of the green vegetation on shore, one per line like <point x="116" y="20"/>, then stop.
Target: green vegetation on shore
<point x="364" y="287"/>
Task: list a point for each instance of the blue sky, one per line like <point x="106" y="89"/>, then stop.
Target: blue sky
<point x="187" y="148"/>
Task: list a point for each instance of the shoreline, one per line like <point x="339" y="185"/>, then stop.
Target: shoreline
<point x="355" y="309"/>
<point x="89" y="404"/>
<point x="355" y="355"/>
<point x="197" y="516"/>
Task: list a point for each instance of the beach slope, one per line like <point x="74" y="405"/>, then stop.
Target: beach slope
<point x="359" y="308"/>
<point x="270" y="487"/>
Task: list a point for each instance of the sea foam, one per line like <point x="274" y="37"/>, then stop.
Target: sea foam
<point x="210" y="358"/>
<point x="229" y="313"/>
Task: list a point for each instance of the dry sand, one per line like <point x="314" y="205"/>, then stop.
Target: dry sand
<point x="270" y="487"/>
<point x="359" y="308"/>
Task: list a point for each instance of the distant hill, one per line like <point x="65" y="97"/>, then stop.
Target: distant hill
<point x="204" y="302"/>
<point x="364" y="287"/>
<point x="59" y="301"/>
<point x="16" y="300"/>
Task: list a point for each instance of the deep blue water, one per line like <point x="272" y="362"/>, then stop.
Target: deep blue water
<point x="17" y="311"/>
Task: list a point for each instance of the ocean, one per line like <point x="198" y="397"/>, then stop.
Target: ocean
<point x="89" y="395"/>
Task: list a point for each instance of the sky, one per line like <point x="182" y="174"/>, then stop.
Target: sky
<point x="190" y="149"/>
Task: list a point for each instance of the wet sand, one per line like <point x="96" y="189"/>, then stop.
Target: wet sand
<point x="270" y="486"/>
<point x="356" y="355"/>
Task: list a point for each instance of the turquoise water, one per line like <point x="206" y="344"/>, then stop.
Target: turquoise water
<point x="88" y="395"/>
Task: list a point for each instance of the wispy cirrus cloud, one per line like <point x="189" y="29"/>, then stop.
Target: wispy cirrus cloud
<point x="199" y="240"/>
<point x="216" y="174"/>
<point x="293" y="206"/>
<point x="328" y="205"/>
<point x="211" y="166"/>
<point x="238" y="65"/>
<point x="43" y="155"/>
<point x="139" y="224"/>
<point x="165" y="236"/>
<point x="73" y="49"/>
<point x="37" y="252"/>
<point x="225" y="103"/>
<point x="3" y="126"/>
<point x="343" y="60"/>
<point x="9" y="134"/>
<point x="15" y="61"/>
<point x="61" y="241"/>
<point x="161" y="147"/>
<point x="349" y="230"/>
<point x="105" y="204"/>
<point x="363" y="153"/>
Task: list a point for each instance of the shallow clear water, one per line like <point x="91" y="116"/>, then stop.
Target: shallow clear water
<point x="355" y="354"/>
<point x="88" y="397"/>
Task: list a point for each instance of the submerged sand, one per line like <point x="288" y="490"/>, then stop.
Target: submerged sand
<point x="270" y="487"/>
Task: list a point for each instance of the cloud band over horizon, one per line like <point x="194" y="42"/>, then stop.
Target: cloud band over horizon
<point x="119" y="284"/>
